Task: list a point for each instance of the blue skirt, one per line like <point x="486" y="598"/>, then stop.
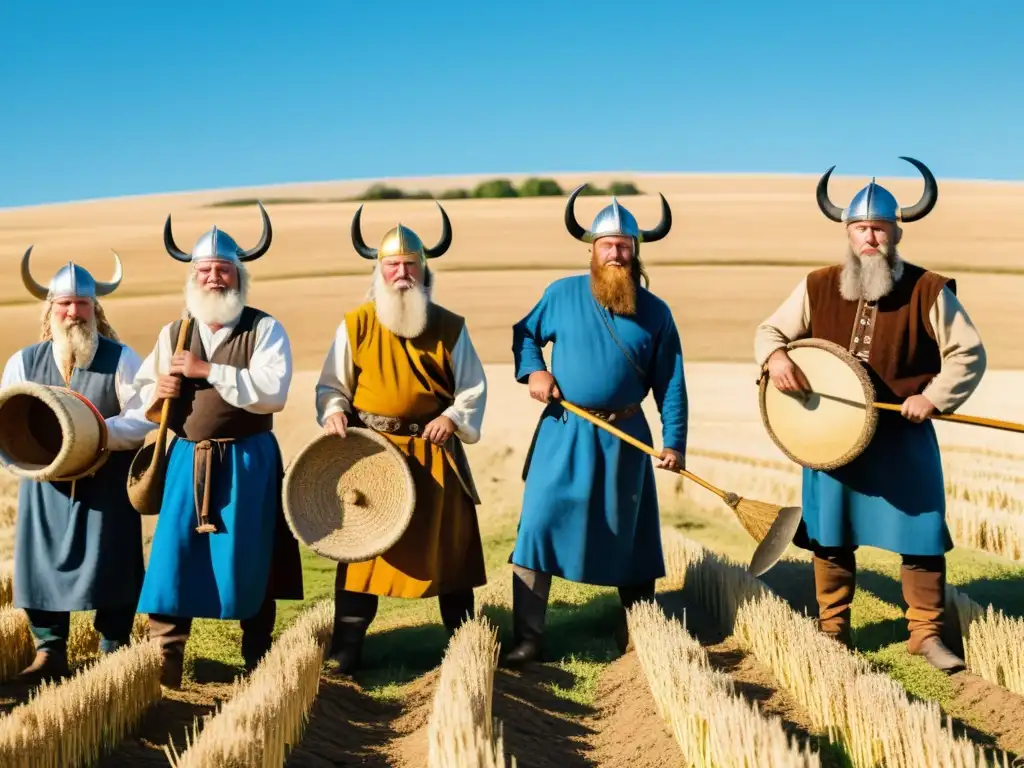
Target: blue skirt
<point x="891" y="497"/>
<point x="590" y="506"/>
<point x="220" y="575"/>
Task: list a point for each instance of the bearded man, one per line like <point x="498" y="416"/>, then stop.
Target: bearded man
<point x="590" y="507"/>
<point x="918" y="345"/>
<point x="404" y="366"/>
<point x="78" y="544"/>
<point x="222" y="548"/>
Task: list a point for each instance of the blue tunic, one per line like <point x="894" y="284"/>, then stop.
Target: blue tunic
<point x="221" y="575"/>
<point x="79" y="552"/>
<point x="590" y="505"/>
<point x="892" y="496"/>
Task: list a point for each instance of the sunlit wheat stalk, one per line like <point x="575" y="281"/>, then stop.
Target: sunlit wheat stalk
<point x="267" y="712"/>
<point x="461" y="731"/>
<point x="866" y="713"/>
<point x="712" y="724"/>
<point x="992" y="641"/>
<point x="74" y="722"/>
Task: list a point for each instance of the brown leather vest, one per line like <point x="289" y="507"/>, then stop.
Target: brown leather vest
<point x="200" y="413"/>
<point x="892" y="337"/>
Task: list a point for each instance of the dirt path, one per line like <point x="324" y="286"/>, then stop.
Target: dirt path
<point x="991" y="709"/>
<point x="171" y="719"/>
<point x="753" y="680"/>
<point x="349" y="727"/>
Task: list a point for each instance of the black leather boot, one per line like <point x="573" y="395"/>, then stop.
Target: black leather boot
<point x="347" y="650"/>
<point x="629" y="596"/>
<point x="529" y="607"/>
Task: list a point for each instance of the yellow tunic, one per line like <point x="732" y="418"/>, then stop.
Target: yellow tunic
<point x="413" y="379"/>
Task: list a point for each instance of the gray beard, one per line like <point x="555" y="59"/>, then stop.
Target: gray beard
<point x="870" y="278"/>
<point x="404" y="313"/>
<point x="75" y="346"/>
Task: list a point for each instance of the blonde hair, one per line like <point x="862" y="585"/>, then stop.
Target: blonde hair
<point x="103" y="326"/>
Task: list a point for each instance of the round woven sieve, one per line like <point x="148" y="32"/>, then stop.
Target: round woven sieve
<point x="349" y="498"/>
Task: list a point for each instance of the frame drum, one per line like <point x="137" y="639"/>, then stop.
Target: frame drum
<point x="836" y="421"/>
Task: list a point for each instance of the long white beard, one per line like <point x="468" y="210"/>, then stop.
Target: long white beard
<point x="213" y="307"/>
<point x="75" y="343"/>
<point x="870" y="277"/>
<point x="404" y="313"/>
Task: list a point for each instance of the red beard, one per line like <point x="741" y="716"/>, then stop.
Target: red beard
<point x="615" y="287"/>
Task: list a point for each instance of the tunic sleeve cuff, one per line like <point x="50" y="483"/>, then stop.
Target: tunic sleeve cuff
<point x="529" y="366"/>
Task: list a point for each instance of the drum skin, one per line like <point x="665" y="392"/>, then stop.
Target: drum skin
<point x="837" y="420"/>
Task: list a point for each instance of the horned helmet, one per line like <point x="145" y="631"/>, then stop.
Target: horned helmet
<point x="874" y="202"/>
<point x="615" y="219"/>
<point x="218" y="245"/>
<point x="402" y="241"/>
<point x="70" y="281"/>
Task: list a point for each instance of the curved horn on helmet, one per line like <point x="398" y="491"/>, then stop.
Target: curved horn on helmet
<point x="170" y="245"/>
<point x="830" y="209"/>
<point x="37" y="290"/>
<point x="929" y="197"/>
<point x="357" y="237"/>
<point x="105" y="289"/>
<point x="571" y="223"/>
<point x="653" y="235"/>
<point x="264" y="244"/>
<point x="446" y="236"/>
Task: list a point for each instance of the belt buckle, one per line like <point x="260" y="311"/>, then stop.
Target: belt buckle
<point x="414" y="429"/>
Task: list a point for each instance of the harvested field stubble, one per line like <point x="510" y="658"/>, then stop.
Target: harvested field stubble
<point x="16" y="644"/>
<point x="460" y="731"/>
<point x="6" y="582"/>
<point x="267" y="712"/>
<point x="979" y="517"/>
<point x="712" y="723"/>
<point x="993" y="642"/>
<point x="73" y="723"/>
<point x="866" y="713"/>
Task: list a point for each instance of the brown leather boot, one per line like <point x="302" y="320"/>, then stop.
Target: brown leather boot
<point x="171" y="632"/>
<point x="47" y="665"/>
<point x="924" y="589"/>
<point x="835" y="581"/>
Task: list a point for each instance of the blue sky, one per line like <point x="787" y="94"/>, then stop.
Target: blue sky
<point x="115" y="98"/>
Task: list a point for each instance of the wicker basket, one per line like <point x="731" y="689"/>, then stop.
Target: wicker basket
<point x="50" y="433"/>
<point x="349" y="498"/>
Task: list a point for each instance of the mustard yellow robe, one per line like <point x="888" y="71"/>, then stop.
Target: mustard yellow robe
<point x="413" y="379"/>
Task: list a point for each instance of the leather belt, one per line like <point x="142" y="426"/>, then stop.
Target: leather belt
<point x="202" y="473"/>
<point x="393" y="425"/>
<point x="612" y="416"/>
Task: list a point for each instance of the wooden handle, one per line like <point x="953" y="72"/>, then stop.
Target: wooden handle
<point x="165" y="409"/>
<point x="979" y="421"/>
<point x="635" y="443"/>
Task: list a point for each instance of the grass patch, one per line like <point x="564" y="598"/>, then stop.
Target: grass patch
<point x="407" y="638"/>
<point x="879" y="625"/>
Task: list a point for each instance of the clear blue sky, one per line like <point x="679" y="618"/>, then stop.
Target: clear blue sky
<point x="111" y="97"/>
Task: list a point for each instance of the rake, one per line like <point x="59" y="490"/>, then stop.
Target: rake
<point x="756" y="517"/>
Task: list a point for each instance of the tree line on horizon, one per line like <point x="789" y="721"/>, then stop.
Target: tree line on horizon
<point x="492" y="188"/>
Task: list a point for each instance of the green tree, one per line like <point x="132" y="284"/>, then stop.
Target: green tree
<point x="534" y="187"/>
<point x="623" y="188"/>
<point x="495" y="188"/>
<point x="382" y="192"/>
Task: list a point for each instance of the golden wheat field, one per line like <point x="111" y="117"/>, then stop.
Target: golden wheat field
<point x="724" y="669"/>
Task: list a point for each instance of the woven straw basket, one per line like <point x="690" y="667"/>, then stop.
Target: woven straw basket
<point x="49" y="433"/>
<point x="349" y="498"/>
